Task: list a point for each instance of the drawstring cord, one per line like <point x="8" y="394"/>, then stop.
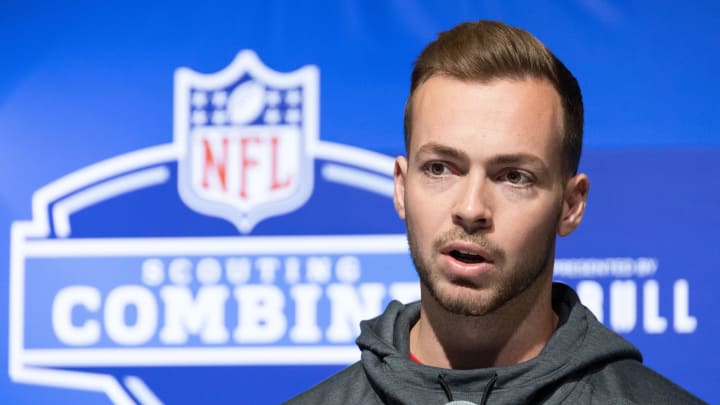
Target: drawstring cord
<point x="488" y="388"/>
<point x="486" y="393"/>
<point x="445" y="387"/>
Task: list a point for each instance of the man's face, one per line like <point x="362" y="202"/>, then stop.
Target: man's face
<point x="482" y="190"/>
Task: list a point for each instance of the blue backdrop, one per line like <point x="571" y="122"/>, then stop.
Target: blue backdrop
<point x="93" y="83"/>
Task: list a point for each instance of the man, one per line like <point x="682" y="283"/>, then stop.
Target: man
<point x="493" y="134"/>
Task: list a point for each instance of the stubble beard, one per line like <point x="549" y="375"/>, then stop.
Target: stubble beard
<point x="464" y="298"/>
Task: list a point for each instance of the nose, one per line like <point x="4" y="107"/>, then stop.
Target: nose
<point x="473" y="208"/>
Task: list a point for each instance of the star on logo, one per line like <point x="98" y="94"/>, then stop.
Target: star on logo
<point x="273" y="98"/>
<point x="292" y="98"/>
<point x="199" y="99"/>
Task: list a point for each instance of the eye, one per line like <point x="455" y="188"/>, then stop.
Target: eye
<point x="517" y="177"/>
<point x="437" y="169"/>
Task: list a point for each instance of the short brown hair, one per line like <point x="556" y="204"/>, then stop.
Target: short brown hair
<point x="486" y="50"/>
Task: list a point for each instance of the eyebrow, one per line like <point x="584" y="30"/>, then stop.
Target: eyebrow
<point x="518" y="158"/>
<point x="443" y="150"/>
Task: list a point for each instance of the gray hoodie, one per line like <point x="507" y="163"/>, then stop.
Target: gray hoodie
<point x="582" y="363"/>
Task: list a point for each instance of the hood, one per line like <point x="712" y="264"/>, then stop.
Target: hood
<point x="579" y="344"/>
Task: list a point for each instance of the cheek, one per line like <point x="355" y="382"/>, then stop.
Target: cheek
<point x="420" y="222"/>
<point x="425" y="208"/>
<point x="424" y="219"/>
<point x="529" y="226"/>
<point x="517" y="196"/>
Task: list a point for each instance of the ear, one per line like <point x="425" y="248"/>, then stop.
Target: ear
<point x="399" y="176"/>
<point x="574" y="202"/>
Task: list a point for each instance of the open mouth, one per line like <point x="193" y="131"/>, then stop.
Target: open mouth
<point x="466" y="257"/>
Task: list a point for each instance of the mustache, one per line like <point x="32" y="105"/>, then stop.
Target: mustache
<point x="495" y="251"/>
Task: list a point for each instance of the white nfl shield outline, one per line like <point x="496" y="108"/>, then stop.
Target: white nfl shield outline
<point x="246" y="138"/>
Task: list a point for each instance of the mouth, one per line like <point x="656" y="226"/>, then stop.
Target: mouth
<point x="467" y="257"/>
<point x="465" y="260"/>
<point x="468" y="253"/>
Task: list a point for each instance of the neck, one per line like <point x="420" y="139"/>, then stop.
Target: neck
<point x="514" y="333"/>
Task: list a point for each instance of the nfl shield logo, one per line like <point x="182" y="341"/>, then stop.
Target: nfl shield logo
<point x="245" y="139"/>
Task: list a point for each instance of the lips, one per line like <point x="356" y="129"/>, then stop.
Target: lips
<point x="466" y="252"/>
<point x="465" y="259"/>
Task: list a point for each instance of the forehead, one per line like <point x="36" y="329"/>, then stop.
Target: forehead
<point x="499" y="116"/>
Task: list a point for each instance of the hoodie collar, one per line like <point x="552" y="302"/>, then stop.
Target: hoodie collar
<point x="579" y="342"/>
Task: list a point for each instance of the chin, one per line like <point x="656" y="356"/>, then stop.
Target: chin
<point x="463" y="299"/>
